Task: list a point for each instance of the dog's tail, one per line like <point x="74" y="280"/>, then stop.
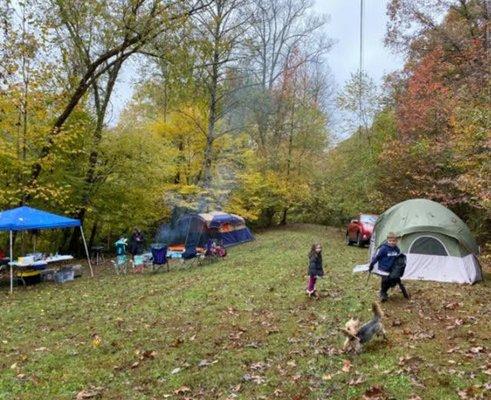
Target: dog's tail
<point x="377" y="311"/>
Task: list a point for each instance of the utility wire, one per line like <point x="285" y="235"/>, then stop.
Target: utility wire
<point x="361" y="35"/>
<point x="360" y="72"/>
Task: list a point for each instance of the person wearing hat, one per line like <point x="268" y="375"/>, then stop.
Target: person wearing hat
<point x="386" y="255"/>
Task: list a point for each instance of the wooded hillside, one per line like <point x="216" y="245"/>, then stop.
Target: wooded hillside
<point x="233" y="108"/>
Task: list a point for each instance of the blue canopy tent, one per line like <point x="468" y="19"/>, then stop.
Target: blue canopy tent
<point x="26" y="218"/>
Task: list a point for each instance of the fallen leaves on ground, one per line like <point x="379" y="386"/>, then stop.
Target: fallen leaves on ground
<point x="476" y="350"/>
<point x="146" y="354"/>
<point x="453" y="305"/>
<point x="326" y="377"/>
<point x="177" y="342"/>
<point x="356" y="381"/>
<point x="346" y="366"/>
<point x="89" y="393"/>
<point x="205" y="363"/>
<point x="423" y="335"/>
<point x="374" y="393"/>
<point x="182" y="390"/>
<point x="259" y="366"/>
<point x="475" y="392"/>
<point x="96" y="340"/>
<point x="257" y="379"/>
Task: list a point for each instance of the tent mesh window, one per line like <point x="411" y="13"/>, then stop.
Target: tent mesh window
<point x="428" y="245"/>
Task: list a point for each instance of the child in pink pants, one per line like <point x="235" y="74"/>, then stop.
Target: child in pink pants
<point x="315" y="268"/>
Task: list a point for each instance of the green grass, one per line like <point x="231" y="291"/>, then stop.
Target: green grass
<point x="249" y="317"/>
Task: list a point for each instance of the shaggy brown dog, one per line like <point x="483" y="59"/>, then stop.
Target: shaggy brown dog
<point x="356" y="336"/>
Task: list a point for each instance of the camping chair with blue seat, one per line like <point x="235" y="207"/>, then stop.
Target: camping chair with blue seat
<point x="121" y="262"/>
<point x="190" y="254"/>
<point x="159" y="256"/>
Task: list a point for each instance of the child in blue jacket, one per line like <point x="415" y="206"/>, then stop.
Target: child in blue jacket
<point x="385" y="257"/>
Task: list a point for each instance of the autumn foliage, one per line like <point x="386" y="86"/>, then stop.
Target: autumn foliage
<point x="443" y="120"/>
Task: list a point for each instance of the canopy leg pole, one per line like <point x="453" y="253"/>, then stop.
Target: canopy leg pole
<point x="11" y="266"/>
<point x="87" y="252"/>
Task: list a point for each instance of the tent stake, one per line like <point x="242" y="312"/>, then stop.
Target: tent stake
<point x="86" y="251"/>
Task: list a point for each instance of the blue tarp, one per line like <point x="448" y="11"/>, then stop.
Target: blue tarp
<point x="26" y="218"/>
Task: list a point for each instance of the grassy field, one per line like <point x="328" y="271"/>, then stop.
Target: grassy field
<point x="243" y="328"/>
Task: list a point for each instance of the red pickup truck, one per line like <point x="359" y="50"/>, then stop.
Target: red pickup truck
<point x="360" y="229"/>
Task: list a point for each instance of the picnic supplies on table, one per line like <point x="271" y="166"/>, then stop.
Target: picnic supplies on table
<point x="26" y="260"/>
<point x="26" y="218"/>
<point x="29" y="271"/>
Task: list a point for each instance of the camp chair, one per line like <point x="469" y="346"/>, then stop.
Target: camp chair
<point x="190" y="255"/>
<point x="189" y="252"/>
<point x="159" y="256"/>
<point x="121" y="264"/>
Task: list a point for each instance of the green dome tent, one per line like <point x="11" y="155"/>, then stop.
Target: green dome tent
<point x="438" y="244"/>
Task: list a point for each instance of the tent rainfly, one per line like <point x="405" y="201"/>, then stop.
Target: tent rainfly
<point x="26" y="218"/>
<point x="438" y="244"/>
<point x="192" y="229"/>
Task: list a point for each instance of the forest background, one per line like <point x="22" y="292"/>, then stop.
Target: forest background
<point x="233" y="111"/>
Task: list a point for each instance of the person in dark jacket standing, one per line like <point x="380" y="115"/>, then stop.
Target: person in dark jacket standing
<point x="385" y="257"/>
<point x="315" y="268"/>
<point x="136" y="242"/>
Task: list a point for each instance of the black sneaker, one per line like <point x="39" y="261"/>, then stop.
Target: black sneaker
<point x="384" y="297"/>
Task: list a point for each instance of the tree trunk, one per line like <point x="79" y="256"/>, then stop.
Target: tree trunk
<point x="206" y="176"/>
<point x="91" y="175"/>
<point x="269" y="214"/>
<point x="284" y="216"/>
<point x="93" y="233"/>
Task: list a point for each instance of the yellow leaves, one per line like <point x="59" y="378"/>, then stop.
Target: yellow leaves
<point x="96" y="340"/>
<point x="189" y="189"/>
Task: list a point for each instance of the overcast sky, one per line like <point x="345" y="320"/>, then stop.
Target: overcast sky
<point x="344" y="28"/>
<point x="343" y="59"/>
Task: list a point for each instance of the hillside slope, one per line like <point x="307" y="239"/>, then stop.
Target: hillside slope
<point x="243" y="328"/>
